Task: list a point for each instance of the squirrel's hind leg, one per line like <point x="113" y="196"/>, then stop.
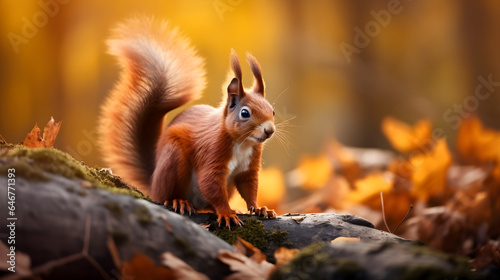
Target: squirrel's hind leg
<point x="171" y="176"/>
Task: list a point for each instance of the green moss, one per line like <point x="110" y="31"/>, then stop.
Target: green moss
<point x="119" y="237"/>
<point x="114" y="208"/>
<point x="183" y="244"/>
<point x="252" y="231"/>
<point x="278" y="236"/>
<point x="315" y="255"/>
<point x="143" y="215"/>
<point x="32" y="163"/>
<point x="24" y="168"/>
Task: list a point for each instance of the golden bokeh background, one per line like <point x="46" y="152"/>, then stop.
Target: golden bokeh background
<point x="416" y="59"/>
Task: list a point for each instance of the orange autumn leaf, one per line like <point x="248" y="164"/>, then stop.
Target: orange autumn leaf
<point x="284" y="255"/>
<point x="429" y="171"/>
<point x="50" y="131"/>
<point x="406" y="138"/>
<point x="477" y="144"/>
<point x="142" y="267"/>
<point x="369" y="187"/>
<point x="350" y="168"/>
<point x="313" y="172"/>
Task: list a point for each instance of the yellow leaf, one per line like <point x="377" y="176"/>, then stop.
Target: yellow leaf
<point x="406" y="138"/>
<point x="429" y="171"/>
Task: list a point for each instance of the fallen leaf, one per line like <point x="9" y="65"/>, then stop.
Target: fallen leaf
<point x="34" y="140"/>
<point x="142" y="267"/>
<point x="489" y="254"/>
<point x="246" y="248"/>
<point x="312" y="173"/>
<point x="50" y="132"/>
<point x="477" y="144"/>
<point x="369" y="187"/>
<point x="284" y="255"/>
<point x="429" y="171"/>
<point x="349" y="167"/>
<point x="243" y="267"/>
<point x="406" y="138"/>
<point x="182" y="270"/>
<point x="345" y="239"/>
<point x="299" y="220"/>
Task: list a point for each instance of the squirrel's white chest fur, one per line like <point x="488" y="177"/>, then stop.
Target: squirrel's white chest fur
<point x="240" y="160"/>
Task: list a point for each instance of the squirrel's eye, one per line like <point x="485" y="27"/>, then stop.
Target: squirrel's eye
<point x="274" y="113"/>
<point x="245" y="113"/>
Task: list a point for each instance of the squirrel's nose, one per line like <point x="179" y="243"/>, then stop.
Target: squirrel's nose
<point x="269" y="131"/>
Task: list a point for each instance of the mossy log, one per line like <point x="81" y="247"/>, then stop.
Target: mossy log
<point x="369" y="260"/>
<point x="69" y="217"/>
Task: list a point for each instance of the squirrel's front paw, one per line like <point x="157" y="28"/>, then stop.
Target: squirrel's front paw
<point x="263" y="212"/>
<point x="228" y="216"/>
<point x="182" y="206"/>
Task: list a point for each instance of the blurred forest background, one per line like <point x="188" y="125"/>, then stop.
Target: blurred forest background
<point x="420" y="59"/>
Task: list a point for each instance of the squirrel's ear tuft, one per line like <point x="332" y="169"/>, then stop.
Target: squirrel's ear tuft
<point x="236" y="67"/>
<point x="258" y="85"/>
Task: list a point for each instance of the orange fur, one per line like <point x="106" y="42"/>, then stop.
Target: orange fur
<point x="205" y="152"/>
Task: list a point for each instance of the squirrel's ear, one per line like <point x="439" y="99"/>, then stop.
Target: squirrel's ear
<point x="233" y="93"/>
<point x="258" y="85"/>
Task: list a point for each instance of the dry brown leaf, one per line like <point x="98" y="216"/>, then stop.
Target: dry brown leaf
<point x="182" y="270"/>
<point x="243" y="267"/>
<point x="284" y="255"/>
<point x="34" y="140"/>
<point x="345" y="239"/>
<point x="489" y="254"/>
<point x="429" y="171"/>
<point x="406" y="138"/>
<point x="142" y="267"/>
<point x="246" y="248"/>
<point x="50" y="132"/>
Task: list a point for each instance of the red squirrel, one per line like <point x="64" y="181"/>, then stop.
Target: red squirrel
<point x="204" y="153"/>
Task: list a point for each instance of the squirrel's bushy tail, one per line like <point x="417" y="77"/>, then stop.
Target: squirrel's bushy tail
<point x="160" y="72"/>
